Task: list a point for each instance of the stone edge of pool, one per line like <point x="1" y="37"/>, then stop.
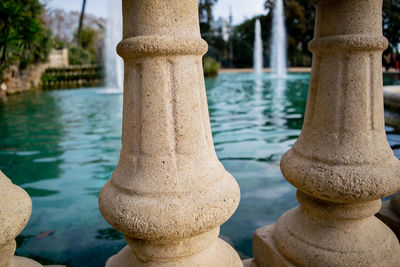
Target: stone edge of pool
<point x="391" y="95"/>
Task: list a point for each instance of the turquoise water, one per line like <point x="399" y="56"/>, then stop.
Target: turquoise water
<point x="61" y="146"/>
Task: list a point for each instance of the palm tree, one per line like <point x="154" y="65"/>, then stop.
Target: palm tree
<point x="78" y="36"/>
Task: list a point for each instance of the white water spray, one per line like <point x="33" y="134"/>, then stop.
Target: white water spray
<point x="113" y="63"/>
<point x="258" y="49"/>
<point x="278" y="44"/>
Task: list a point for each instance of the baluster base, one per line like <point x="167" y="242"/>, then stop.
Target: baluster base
<point x="219" y="254"/>
<point x="301" y="239"/>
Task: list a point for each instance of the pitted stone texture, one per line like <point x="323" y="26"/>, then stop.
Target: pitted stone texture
<point x="331" y="244"/>
<point x="15" y="211"/>
<point x="335" y="243"/>
<point x="341" y="163"/>
<point x="169" y="193"/>
<point x="219" y="254"/>
<point x="342" y="154"/>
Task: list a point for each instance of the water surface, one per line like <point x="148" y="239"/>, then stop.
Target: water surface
<point x="62" y="146"/>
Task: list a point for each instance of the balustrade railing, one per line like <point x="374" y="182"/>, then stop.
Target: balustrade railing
<point x="169" y="193"/>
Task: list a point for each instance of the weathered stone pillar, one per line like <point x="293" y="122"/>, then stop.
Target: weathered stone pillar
<point x="169" y="193"/>
<point x="15" y="211"/>
<point x="341" y="164"/>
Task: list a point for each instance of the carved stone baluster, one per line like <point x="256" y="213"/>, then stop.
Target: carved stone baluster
<point x="341" y="164"/>
<point x="15" y="211"/>
<point x="169" y="193"/>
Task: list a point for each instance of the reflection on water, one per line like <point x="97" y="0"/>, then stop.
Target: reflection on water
<point x="391" y="79"/>
<point x="109" y="234"/>
<point x="62" y="146"/>
<point x="254" y="121"/>
<point x="393" y="137"/>
<point x="30" y="136"/>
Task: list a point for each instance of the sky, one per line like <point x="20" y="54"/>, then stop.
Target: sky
<point x="241" y="9"/>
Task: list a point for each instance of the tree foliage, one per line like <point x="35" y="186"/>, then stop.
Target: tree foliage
<point x="79" y="56"/>
<point x="391" y="22"/>
<point x="24" y="38"/>
<point x="299" y="21"/>
<point x="205" y="14"/>
<point x="243" y="41"/>
<point x="64" y="27"/>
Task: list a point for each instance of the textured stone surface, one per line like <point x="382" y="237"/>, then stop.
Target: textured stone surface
<point x="169" y="193"/>
<point x="15" y="211"/>
<point x="341" y="163"/>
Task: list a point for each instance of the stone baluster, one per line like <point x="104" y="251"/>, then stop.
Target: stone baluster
<point x="341" y="163"/>
<point x="15" y="211"/>
<point x="169" y="193"/>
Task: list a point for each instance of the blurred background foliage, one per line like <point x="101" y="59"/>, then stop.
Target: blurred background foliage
<point x="28" y="30"/>
<point x="24" y="37"/>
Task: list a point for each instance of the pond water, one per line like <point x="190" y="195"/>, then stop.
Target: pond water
<point x="61" y="147"/>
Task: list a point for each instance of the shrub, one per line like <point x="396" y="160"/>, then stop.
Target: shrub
<point x="210" y="67"/>
<point x="24" y="38"/>
<point x="78" y="56"/>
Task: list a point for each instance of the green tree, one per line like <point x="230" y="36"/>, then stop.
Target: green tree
<point x="88" y="44"/>
<point x="391" y="22"/>
<point x="24" y="39"/>
<point x="79" y="56"/>
<point x="299" y="21"/>
<point x="205" y="14"/>
<point x="243" y="41"/>
<point x="78" y="35"/>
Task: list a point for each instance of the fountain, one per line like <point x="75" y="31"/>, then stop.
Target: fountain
<point x="278" y="44"/>
<point x="113" y="63"/>
<point x="258" y="49"/>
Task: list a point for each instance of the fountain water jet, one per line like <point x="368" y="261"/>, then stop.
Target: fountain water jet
<point x="278" y="44"/>
<point x="258" y="49"/>
<point x="112" y="62"/>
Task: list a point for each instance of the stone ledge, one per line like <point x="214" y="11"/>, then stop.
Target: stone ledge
<point x="391" y="96"/>
<point x="249" y="263"/>
<point x="265" y="251"/>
